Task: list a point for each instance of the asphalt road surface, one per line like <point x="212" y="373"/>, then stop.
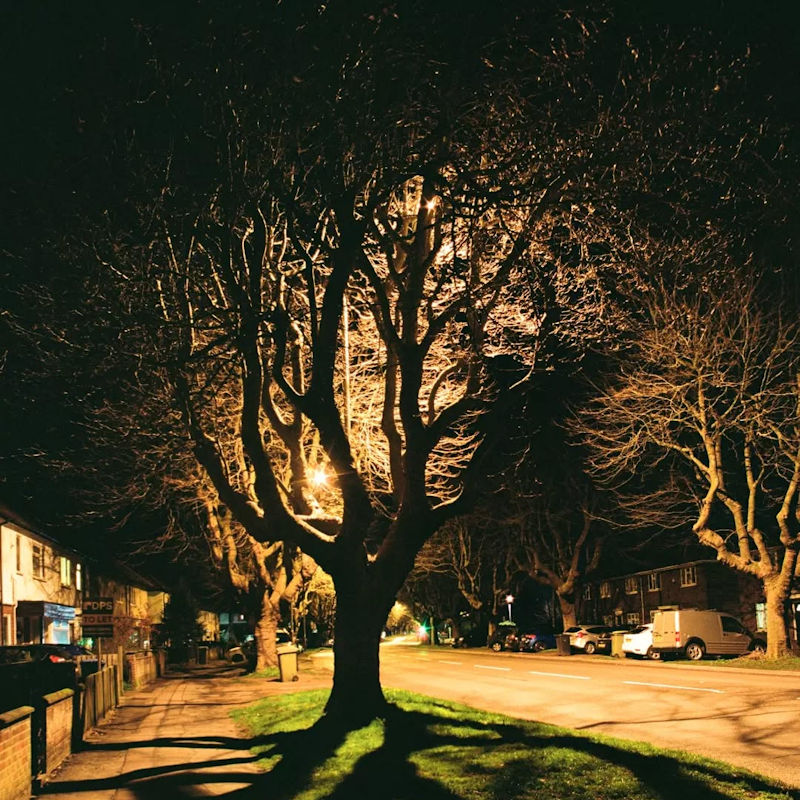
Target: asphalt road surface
<point x="750" y="718"/>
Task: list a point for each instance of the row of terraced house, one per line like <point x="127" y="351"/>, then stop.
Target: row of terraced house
<point x="44" y="586"/>
<point x="633" y="598"/>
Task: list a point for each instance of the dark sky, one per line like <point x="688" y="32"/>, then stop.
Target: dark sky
<point x="75" y="80"/>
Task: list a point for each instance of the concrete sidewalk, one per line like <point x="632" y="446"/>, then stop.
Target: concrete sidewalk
<point x="174" y="738"/>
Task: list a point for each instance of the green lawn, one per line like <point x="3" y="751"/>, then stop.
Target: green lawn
<point x="429" y="749"/>
<point x="791" y="663"/>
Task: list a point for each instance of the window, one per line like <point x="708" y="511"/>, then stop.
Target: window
<point x="37" y="560"/>
<point x="605" y="589"/>
<point x="631" y="586"/>
<point x="688" y="576"/>
<point x="633" y="618"/>
<point x="78" y="578"/>
<point x="731" y="625"/>
<point x="653" y="581"/>
<point x="608" y="620"/>
<point x="66" y="571"/>
<point x="587" y="591"/>
<point x="761" y="616"/>
<point x="19" y="556"/>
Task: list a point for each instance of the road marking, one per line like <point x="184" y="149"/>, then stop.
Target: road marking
<point x="455" y="663"/>
<point x="501" y="669"/>
<point x="561" y="675"/>
<point x="671" y="686"/>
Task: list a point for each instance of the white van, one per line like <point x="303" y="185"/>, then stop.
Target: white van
<point x="694" y="634"/>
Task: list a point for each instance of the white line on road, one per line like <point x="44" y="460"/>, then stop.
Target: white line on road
<point x="501" y="669"/>
<point x="561" y="675"/>
<point x="671" y="686"/>
<point x="455" y="663"/>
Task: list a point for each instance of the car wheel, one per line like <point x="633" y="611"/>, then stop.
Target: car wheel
<point x="653" y="655"/>
<point x="497" y="647"/>
<point x="695" y="651"/>
<point x="538" y="647"/>
<point x="590" y="648"/>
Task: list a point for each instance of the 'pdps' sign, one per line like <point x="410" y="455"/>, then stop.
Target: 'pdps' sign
<point x="98" y="605"/>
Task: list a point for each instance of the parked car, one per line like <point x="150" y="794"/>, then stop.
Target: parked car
<point x="497" y="641"/>
<point x="695" y="633"/>
<point x="536" y="641"/>
<point x="639" y="642"/>
<point x="283" y="639"/>
<point x="51" y="653"/>
<point x="590" y="638"/>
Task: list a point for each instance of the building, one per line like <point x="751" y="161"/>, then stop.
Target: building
<point x="41" y="585"/>
<point x="707" y="583"/>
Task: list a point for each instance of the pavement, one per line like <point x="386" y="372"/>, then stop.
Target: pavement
<point x="175" y="738"/>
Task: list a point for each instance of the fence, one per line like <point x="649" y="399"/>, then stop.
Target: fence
<point x="99" y="697"/>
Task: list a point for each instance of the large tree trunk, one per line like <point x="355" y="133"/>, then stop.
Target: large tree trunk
<point x="568" y="611"/>
<point x="776" y="592"/>
<point x="361" y="612"/>
<point x="265" y="633"/>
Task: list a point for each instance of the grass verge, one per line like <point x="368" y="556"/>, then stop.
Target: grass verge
<point x="754" y="661"/>
<point x="428" y="749"/>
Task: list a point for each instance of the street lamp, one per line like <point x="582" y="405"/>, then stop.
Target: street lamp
<point x="509" y="601"/>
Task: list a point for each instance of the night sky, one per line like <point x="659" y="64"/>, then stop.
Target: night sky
<point x="81" y="101"/>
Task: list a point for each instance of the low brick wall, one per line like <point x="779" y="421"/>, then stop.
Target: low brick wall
<point x="15" y="753"/>
<point x="140" y="668"/>
<point x="57" y="727"/>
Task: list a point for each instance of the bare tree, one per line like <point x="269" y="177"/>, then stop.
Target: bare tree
<point x="713" y="392"/>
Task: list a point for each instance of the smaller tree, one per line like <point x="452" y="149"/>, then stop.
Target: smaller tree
<point x="708" y="409"/>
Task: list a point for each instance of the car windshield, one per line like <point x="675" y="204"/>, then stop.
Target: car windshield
<point x="573" y="629"/>
<point x="641" y="629"/>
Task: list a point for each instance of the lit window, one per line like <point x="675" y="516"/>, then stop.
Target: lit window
<point x="633" y="618"/>
<point x="653" y="582"/>
<point x="605" y="589"/>
<point x="587" y="591"/>
<point x="37" y="560"/>
<point x="631" y="586"/>
<point x="66" y="571"/>
<point x="78" y="577"/>
<point x="688" y="576"/>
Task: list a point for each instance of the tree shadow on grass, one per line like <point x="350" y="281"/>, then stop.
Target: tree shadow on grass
<point x="507" y="759"/>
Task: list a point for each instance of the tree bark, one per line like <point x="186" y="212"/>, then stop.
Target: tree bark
<point x="361" y="611"/>
<point x="776" y="594"/>
<point x="265" y="633"/>
<point x="568" y="611"/>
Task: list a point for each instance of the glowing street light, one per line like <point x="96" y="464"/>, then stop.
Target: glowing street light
<point x="319" y="477"/>
<point x="509" y="601"/>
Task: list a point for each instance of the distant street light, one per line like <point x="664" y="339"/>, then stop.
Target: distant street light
<point x="509" y="601"/>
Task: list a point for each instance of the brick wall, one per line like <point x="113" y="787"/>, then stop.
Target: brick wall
<point x="140" y="668"/>
<point x="15" y="754"/>
<point x="58" y="728"/>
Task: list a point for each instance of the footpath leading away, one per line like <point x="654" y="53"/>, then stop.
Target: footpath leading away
<point x="174" y="739"/>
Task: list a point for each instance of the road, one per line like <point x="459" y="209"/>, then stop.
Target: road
<point x="743" y="717"/>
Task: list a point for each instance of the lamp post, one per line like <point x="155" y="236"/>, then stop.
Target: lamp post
<point x="509" y="601"/>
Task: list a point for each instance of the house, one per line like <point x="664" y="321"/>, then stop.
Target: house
<point x="136" y="603"/>
<point x="41" y="585"/>
<point x="634" y="597"/>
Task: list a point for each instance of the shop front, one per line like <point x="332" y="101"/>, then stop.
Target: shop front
<point x="49" y="623"/>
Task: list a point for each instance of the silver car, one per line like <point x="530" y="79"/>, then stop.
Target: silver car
<point x="590" y="638"/>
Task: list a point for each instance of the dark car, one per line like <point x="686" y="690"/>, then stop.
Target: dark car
<point x="536" y="641"/>
<point x="52" y="653"/>
<point x="497" y="641"/>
